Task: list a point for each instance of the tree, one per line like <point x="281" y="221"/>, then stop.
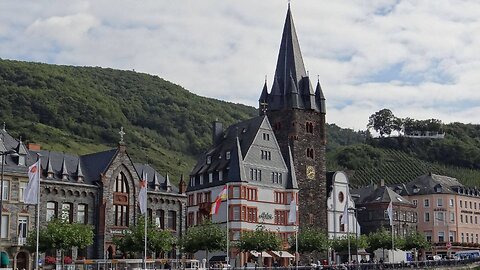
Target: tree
<point x="356" y="243"/>
<point x="416" y="240"/>
<point x="61" y="235"/>
<point x="310" y="240"/>
<point x="259" y="240"/>
<point x="382" y="239"/>
<point x="384" y="122"/>
<point x="206" y="236"/>
<point x="157" y="240"/>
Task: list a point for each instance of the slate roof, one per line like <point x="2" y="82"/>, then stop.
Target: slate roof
<point x="153" y="175"/>
<point x="89" y="166"/>
<point x="383" y="194"/>
<point x="431" y="183"/>
<point x="246" y="132"/>
<point x="292" y="88"/>
<point x="237" y="140"/>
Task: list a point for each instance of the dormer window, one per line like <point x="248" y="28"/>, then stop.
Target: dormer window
<point x="192" y="181"/>
<point x="220" y="175"/>
<point x="201" y="179"/>
<point x="227" y="155"/>
<point x="209" y="159"/>
<point x="438" y="188"/>
<point x="416" y="189"/>
<point x="21" y="160"/>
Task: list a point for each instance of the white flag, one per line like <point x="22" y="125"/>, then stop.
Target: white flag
<point x="390" y="213"/>
<point x="30" y="195"/>
<point x="142" y="196"/>
<point x="344" y="219"/>
<point x="292" y="216"/>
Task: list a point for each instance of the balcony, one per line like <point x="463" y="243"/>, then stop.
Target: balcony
<point x="18" y="241"/>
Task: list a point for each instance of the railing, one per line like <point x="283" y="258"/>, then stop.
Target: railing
<point x="19" y="241"/>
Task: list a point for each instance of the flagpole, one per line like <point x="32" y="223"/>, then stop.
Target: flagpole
<point x="228" y="232"/>
<point x="391" y="224"/>
<point x="38" y="211"/>
<point x="296" y="246"/>
<point x="348" y="231"/>
<point x="145" y="225"/>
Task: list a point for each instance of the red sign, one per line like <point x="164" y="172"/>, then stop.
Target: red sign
<point x="449" y="245"/>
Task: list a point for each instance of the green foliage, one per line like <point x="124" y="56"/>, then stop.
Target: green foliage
<point x="310" y="240"/>
<point x="382" y="239"/>
<point x="341" y="244"/>
<point x="384" y="122"/>
<point x="61" y="235"/>
<point x="134" y="240"/>
<point x="88" y="105"/>
<point x="196" y="238"/>
<point x="358" y="156"/>
<point x="259" y="240"/>
<point x="338" y="137"/>
<point x="416" y="240"/>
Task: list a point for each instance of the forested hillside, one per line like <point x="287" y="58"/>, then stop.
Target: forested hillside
<point x="81" y="109"/>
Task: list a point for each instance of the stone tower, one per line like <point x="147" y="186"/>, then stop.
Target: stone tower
<point x="297" y="114"/>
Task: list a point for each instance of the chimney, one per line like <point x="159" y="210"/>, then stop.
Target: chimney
<point x="382" y="182"/>
<point x="217" y="131"/>
<point x="182" y="187"/>
<point x="34" y="146"/>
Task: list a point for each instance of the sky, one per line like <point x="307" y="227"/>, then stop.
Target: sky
<point x="418" y="58"/>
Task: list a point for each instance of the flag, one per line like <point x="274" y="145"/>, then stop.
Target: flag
<point x="390" y="213"/>
<point x="344" y="219"/>
<point x="142" y="196"/>
<point x="30" y="195"/>
<point x="292" y="215"/>
<point x="216" y="204"/>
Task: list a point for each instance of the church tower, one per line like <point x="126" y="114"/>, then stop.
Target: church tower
<point x="297" y="114"/>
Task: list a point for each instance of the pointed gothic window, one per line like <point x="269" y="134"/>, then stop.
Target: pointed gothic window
<point x="120" y="201"/>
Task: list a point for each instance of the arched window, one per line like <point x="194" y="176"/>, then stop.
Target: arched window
<point x="342" y="226"/>
<point x="120" y="201"/>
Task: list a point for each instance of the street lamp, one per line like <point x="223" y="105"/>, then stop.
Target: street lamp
<point x="4" y="154"/>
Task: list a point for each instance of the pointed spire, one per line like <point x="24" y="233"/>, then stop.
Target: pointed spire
<point x="80" y="175"/>
<point x="64" y="170"/>
<point x="168" y="185"/>
<point x="156" y="182"/>
<point x="290" y="59"/>
<point x="50" y="172"/>
<point x="320" y="98"/>
<point x="263" y="101"/>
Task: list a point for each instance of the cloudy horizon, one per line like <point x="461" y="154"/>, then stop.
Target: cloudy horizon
<point x="418" y="58"/>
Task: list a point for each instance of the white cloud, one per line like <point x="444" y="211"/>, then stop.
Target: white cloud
<point x="418" y="58"/>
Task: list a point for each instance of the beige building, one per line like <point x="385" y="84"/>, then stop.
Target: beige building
<point x="448" y="212"/>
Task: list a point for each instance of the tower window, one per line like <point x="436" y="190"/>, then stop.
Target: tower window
<point x="120" y="201"/>
<point x="310" y="153"/>
<point x="266" y="137"/>
<point x="309" y="127"/>
<point x="277" y="126"/>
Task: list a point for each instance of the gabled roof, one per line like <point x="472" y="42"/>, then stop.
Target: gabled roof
<point x="431" y="183"/>
<point x="384" y="194"/>
<point x="97" y="163"/>
<point x="246" y="132"/>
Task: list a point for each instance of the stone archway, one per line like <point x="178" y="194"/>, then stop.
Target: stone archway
<point x="110" y="252"/>
<point x="21" y="260"/>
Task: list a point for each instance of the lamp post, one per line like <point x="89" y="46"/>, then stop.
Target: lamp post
<point x="3" y="155"/>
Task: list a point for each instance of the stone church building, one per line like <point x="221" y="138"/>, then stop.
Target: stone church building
<point x="99" y="189"/>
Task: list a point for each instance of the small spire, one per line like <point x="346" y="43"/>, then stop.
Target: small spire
<point x="156" y="181"/>
<point x="64" y="170"/>
<point x="122" y="133"/>
<point x="79" y="169"/>
<point x="4" y="127"/>
<point x="50" y="171"/>
<point x="168" y="185"/>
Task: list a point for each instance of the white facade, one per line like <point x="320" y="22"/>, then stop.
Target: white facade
<point x="338" y="198"/>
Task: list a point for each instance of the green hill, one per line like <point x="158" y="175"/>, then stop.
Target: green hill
<point x="81" y="109"/>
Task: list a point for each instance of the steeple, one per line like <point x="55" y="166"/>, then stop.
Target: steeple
<point x="50" y="172"/>
<point x="80" y="175"/>
<point x="262" y="101"/>
<point x="64" y="170"/>
<point x="291" y="87"/>
<point x="290" y="61"/>
<point x="320" y="98"/>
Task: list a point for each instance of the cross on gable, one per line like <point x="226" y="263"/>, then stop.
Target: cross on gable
<point x="121" y="132"/>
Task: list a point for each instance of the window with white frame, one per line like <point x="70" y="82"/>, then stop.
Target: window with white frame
<point x="451" y="202"/>
<point x="22" y="227"/>
<point x="5" y="226"/>
<point x="439" y="202"/>
<point x="51" y="211"/>
<point x="426" y="203"/>
<point x="427" y="217"/>
<point x="82" y="213"/>
<point x="440" y="216"/>
<point x="452" y="217"/>
<point x="21" y="190"/>
<point x="6" y="190"/>
<point x="415" y="202"/>
<point x="210" y="177"/>
<point x="451" y="237"/>
<point x="441" y="237"/>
